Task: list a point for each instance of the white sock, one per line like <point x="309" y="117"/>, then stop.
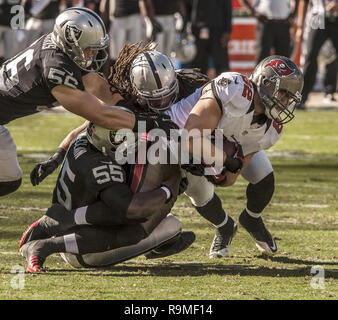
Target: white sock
<point x="222" y="223"/>
<point x="253" y="214"/>
<point x="80" y="215"/>
<point x="70" y="243"/>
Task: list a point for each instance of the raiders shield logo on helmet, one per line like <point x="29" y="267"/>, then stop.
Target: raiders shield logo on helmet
<point x="72" y="34"/>
<point x="280" y="67"/>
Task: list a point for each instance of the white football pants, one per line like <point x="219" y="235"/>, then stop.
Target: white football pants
<point x="9" y="165"/>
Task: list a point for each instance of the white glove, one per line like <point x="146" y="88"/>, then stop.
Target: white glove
<point x="149" y="27"/>
<point x="179" y="23"/>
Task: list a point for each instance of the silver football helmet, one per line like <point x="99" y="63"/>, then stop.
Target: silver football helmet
<point x="279" y="84"/>
<point x="82" y="35"/>
<point x="184" y="48"/>
<point x="154" y="78"/>
<point x="116" y="144"/>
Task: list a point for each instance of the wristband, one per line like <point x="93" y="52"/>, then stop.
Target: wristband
<point x="167" y="191"/>
<point x="59" y="155"/>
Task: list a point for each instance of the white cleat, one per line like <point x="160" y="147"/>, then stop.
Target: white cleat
<point x="220" y="247"/>
<point x="265" y="243"/>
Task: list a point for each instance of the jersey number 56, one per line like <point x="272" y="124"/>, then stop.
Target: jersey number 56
<point x="62" y="77"/>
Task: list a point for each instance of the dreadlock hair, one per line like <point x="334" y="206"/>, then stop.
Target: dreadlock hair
<point x="189" y="80"/>
<point x="119" y="80"/>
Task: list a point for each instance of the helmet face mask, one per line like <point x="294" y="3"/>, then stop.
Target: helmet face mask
<point x="154" y="79"/>
<point x="279" y="85"/>
<point x="280" y="106"/>
<point x="92" y="58"/>
<point x="81" y="34"/>
<point x="162" y="99"/>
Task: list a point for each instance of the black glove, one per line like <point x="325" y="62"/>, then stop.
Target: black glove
<point x="43" y="169"/>
<point x="235" y="163"/>
<point x="155" y="121"/>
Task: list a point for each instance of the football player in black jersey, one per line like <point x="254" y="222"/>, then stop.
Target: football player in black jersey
<point x="100" y="205"/>
<point x="60" y="69"/>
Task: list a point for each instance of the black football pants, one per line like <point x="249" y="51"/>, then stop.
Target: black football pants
<point x="211" y="47"/>
<point x="272" y="35"/>
<point x="316" y="39"/>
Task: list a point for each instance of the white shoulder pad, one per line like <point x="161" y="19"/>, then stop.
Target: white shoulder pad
<point x="233" y="92"/>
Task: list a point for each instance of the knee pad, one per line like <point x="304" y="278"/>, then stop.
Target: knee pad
<point x="199" y="190"/>
<point x="259" y="194"/>
<point x="259" y="167"/>
<point x="9" y="186"/>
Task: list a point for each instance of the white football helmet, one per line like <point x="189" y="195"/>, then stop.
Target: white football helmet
<point x="154" y="78"/>
<point x="116" y="144"/>
<point x="82" y="35"/>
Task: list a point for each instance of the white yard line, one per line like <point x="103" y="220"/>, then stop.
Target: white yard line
<point x="313" y="205"/>
<point x="288" y="221"/>
<point x="23" y="208"/>
<point x="293" y="221"/>
<point x="290" y="185"/>
<point x="8" y="253"/>
<point x="179" y="208"/>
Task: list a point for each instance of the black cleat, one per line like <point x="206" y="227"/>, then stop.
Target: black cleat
<point x="173" y="246"/>
<point x="41" y="229"/>
<point x="264" y="241"/>
<point x="220" y="247"/>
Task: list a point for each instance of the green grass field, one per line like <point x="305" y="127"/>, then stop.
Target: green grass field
<point x="302" y="216"/>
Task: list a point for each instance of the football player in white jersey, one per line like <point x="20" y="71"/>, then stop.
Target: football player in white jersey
<point x="250" y="112"/>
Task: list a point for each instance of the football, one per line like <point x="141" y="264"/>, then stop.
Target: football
<point x="229" y="147"/>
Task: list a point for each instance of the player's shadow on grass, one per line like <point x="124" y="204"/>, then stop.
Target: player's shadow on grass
<point x="193" y="270"/>
<point x="300" y="261"/>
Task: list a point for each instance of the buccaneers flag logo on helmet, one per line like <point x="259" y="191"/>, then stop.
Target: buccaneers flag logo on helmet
<point x="280" y="67"/>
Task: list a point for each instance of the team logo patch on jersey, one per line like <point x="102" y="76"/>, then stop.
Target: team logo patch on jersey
<point x="72" y="32"/>
<point x="280" y="67"/>
<point x="223" y="82"/>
